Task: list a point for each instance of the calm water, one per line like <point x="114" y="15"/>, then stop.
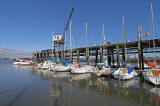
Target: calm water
<point x="26" y="86"/>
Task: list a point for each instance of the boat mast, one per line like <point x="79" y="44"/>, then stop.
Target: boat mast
<point x="65" y="43"/>
<point x="86" y="36"/>
<point x="104" y="39"/>
<point x="70" y="38"/>
<point x="152" y="16"/>
<point x="52" y="47"/>
<point x="124" y="32"/>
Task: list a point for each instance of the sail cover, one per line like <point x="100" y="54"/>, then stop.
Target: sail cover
<point x="153" y="64"/>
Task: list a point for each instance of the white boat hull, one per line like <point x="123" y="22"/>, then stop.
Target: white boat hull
<point x="118" y="74"/>
<point x="148" y="76"/>
<point x="78" y="71"/>
<point x="22" y="63"/>
<point x="104" y="71"/>
<point x="62" y="68"/>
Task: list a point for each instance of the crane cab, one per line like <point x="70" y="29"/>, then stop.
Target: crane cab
<point x="58" y="38"/>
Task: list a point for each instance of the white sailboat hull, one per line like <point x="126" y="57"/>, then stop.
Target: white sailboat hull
<point x="104" y="71"/>
<point x="118" y="74"/>
<point x="61" y="68"/>
<point x="78" y="71"/>
<point x="148" y="76"/>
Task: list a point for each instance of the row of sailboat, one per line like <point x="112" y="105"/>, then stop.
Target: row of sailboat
<point x="73" y="68"/>
<point x="122" y="73"/>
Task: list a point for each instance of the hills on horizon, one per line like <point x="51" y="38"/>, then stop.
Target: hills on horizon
<point x="8" y="53"/>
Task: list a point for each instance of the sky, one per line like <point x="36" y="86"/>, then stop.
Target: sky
<point x="29" y="24"/>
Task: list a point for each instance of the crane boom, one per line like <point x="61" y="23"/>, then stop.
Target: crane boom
<point x="69" y="18"/>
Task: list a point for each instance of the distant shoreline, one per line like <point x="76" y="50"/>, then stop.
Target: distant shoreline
<point x="13" y="58"/>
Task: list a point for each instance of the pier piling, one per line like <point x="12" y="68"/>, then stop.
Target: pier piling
<point x="117" y="52"/>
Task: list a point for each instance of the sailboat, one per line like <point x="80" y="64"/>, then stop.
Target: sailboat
<point x="152" y="75"/>
<point x="103" y="68"/>
<point x="125" y="72"/>
<point x="80" y="69"/>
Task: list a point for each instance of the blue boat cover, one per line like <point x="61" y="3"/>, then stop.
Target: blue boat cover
<point x="69" y="61"/>
<point x="130" y="70"/>
<point x="66" y="64"/>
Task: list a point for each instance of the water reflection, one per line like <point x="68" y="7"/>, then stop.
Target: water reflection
<point x="22" y="68"/>
<point x="124" y="84"/>
<point x="154" y="91"/>
<point x="67" y="89"/>
<point x="80" y="76"/>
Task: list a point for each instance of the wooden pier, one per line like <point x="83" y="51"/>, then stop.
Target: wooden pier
<point x="114" y="52"/>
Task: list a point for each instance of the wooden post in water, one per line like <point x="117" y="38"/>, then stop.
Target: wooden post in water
<point x="62" y="55"/>
<point x="112" y="56"/>
<point x="88" y="56"/>
<point x="117" y="51"/>
<point x="123" y="53"/>
<point x="109" y="56"/>
<point x="140" y="48"/>
<point x="46" y="55"/>
<point x="96" y="56"/>
<point x="101" y="54"/>
<point x="40" y="55"/>
<point x="140" y="51"/>
<point x="78" y="58"/>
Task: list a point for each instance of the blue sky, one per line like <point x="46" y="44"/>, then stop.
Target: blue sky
<point x="28" y="24"/>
